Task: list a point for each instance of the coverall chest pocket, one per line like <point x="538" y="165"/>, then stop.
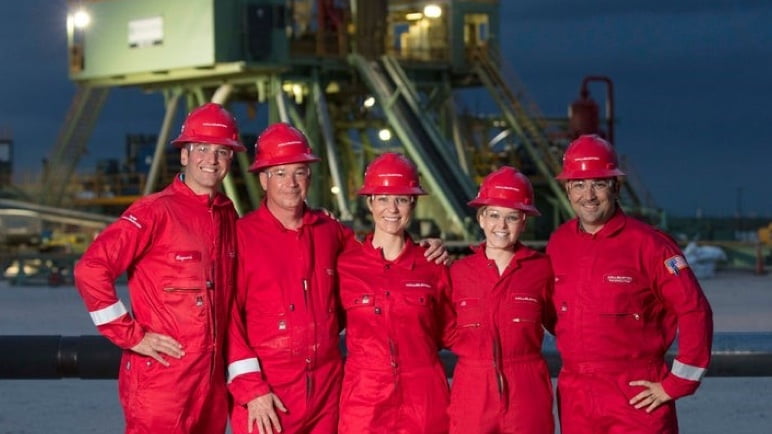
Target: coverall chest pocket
<point x="359" y="303"/>
<point x="621" y="297"/>
<point x="522" y="308"/>
<point x="185" y="266"/>
<point x="413" y="312"/>
<point x="416" y="305"/>
<point x="468" y="313"/>
<point x="419" y="301"/>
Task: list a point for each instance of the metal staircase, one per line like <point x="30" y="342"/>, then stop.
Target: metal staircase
<point x="422" y="140"/>
<point x="524" y="118"/>
<point x="71" y="142"/>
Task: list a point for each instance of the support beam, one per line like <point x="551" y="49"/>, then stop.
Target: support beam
<point x="333" y="161"/>
<point x="161" y="143"/>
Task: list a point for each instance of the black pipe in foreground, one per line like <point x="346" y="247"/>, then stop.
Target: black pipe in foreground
<point x="49" y="357"/>
<point x="94" y="357"/>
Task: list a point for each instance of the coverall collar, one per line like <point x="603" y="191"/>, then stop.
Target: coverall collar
<point x="406" y="258"/>
<point x="612" y="227"/>
<point x="309" y="217"/>
<point x="521" y="253"/>
<point x="218" y="200"/>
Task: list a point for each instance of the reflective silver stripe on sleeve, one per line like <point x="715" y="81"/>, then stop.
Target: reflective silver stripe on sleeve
<point x="242" y="367"/>
<point x="687" y="372"/>
<point x="108" y="314"/>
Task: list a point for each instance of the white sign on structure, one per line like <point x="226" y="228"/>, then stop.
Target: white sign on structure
<point x="146" y="32"/>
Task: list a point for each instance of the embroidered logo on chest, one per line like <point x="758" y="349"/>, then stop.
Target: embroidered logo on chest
<point x="618" y="278"/>
<point x="189" y="256"/>
<point x="526" y="299"/>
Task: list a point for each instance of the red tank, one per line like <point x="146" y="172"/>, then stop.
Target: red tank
<point x="584" y="116"/>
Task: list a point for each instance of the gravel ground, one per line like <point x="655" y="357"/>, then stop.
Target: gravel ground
<point x="741" y="302"/>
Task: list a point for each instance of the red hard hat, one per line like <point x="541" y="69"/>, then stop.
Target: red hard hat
<point x="589" y="157"/>
<point x="279" y="144"/>
<point x="507" y="188"/>
<point x="391" y="173"/>
<point x="210" y="123"/>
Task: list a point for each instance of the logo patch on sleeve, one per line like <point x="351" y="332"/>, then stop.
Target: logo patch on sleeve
<point x="133" y="220"/>
<point x="675" y="264"/>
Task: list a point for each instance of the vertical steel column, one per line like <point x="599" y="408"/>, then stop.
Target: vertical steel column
<point x="160" y="144"/>
<point x="332" y="155"/>
<point x="221" y="97"/>
<point x="281" y="100"/>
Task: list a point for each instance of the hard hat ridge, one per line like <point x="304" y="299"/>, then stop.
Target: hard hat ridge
<point x="210" y="123"/>
<point x="281" y="143"/>
<point x="589" y="157"/>
<point x="391" y="173"/>
<point x="508" y="188"/>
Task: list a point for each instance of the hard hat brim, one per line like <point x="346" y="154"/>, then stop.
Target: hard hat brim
<point x="527" y="209"/>
<point x="291" y="159"/>
<point x="391" y="190"/>
<point x="183" y="140"/>
<point x="589" y="174"/>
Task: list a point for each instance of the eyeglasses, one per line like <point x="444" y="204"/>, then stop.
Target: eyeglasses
<point x="283" y="175"/>
<point x="510" y="219"/>
<point x="387" y="200"/>
<point x="583" y="185"/>
<point x="219" y="151"/>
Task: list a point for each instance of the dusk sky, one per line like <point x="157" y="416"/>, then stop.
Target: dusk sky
<point x="693" y="89"/>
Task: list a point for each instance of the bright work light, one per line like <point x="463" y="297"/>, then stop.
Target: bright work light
<point x="81" y="19"/>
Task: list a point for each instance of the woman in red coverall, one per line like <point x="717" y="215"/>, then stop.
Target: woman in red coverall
<point x="396" y="312"/>
<point x="501" y="299"/>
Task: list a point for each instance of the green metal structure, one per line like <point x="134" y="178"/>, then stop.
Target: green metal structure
<point x="349" y="74"/>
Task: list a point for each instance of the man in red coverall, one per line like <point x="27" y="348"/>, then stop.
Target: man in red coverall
<point x="622" y="291"/>
<point x="179" y="249"/>
<point x="288" y="296"/>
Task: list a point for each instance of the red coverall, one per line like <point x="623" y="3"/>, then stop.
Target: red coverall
<point x="620" y="296"/>
<point x="287" y="294"/>
<point x="501" y="383"/>
<point x="396" y="315"/>
<point x="179" y="250"/>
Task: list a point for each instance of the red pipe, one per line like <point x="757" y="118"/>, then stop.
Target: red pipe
<point x="609" y="100"/>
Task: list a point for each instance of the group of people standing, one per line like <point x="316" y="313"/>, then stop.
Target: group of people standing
<point x="242" y="317"/>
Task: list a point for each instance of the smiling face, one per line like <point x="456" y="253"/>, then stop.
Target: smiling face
<point x="391" y="213"/>
<point x="286" y="186"/>
<point x="205" y="166"/>
<point x="593" y="201"/>
<point x="502" y="226"/>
